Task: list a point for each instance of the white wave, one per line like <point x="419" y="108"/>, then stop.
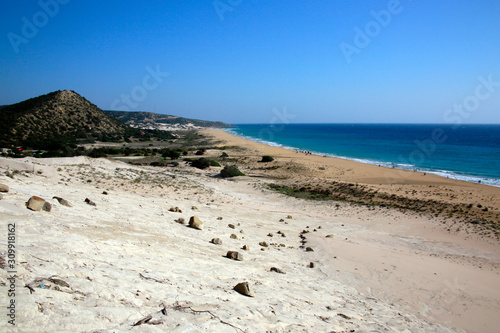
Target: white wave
<point x="404" y="166"/>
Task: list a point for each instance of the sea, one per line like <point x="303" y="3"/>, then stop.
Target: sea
<point x="466" y="152"/>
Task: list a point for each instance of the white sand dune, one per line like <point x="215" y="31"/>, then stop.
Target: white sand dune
<point x="126" y="258"/>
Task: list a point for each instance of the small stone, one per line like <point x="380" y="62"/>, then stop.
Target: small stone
<point x="281" y="220"/>
<point x="35" y="203"/>
<point x="283" y="235"/>
<point x="90" y="202"/>
<point x="289" y="217"/>
<point x="216" y="241"/>
<point x="234" y="236"/>
<point x="194" y="208"/>
<point x="105" y="192"/>
<point x="329" y="236"/>
<point x="231" y="226"/>
<point x="277" y="270"/>
<point x="180" y="220"/>
<point x="234" y="255"/>
<point x="245" y="289"/>
<point x="270" y="235"/>
<point x="246" y="247"/>
<point x="309" y="249"/>
<point x="4" y="188"/>
<point x="47" y="207"/>
<point x="195" y="223"/>
<point x="282" y="245"/>
<point x="59" y="282"/>
<point x="312" y="265"/>
<point x="63" y="202"/>
<point x="263" y="244"/>
<point x="175" y="210"/>
<point x="219" y="218"/>
<point x="262" y="248"/>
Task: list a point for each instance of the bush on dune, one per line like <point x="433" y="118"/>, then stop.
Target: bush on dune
<point x="231" y="171"/>
<point x="266" y="159"/>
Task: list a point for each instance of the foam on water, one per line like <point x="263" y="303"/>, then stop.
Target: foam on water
<point x="405" y="166"/>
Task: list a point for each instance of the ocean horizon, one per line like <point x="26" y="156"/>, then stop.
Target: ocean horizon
<point x="466" y="152"/>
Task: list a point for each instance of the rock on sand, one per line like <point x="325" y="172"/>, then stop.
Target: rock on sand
<point x="244" y="288"/>
<point x="37" y="204"/>
<point x="195" y="223"/>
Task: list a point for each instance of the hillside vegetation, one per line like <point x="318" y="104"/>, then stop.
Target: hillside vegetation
<point x="54" y="118"/>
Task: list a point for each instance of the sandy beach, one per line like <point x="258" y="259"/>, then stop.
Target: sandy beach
<point x="129" y="260"/>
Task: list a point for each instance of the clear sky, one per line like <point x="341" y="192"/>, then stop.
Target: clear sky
<point x="243" y="61"/>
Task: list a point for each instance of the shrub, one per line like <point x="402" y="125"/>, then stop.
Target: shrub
<point x="173" y="154"/>
<point x="214" y="163"/>
<point x="201" y="163"/>
<point x="231" y="171"/>
<point x="266" y="159"/>
<point x="201" y="152"/>
<point x="98" y="152"/>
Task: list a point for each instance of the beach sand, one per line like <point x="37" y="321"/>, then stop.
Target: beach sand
<point x="106" y="267"/>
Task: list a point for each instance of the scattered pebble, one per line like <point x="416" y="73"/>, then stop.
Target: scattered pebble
<point x="90" y="202"/>
<point x="216" y="241"/>
<point x="244" y="288"/>
<point x="37" y="204"/>
<point x="63" y="202"/>
<point x="195" y="223"/>
<point x="234" y="255"/>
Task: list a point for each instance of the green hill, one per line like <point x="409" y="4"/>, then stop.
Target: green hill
<point x="56" y="117"/>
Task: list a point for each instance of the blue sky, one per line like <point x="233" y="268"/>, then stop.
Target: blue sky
<point x="241" y="61"/>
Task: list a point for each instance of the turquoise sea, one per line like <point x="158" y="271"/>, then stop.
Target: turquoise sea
<point x="465" y="152"/>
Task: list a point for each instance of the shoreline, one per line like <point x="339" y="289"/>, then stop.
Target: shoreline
<point x="495" y="182"/>
<point x="422" y="192"/>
